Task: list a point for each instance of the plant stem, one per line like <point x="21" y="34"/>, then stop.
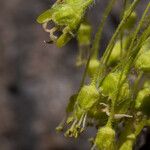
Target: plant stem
<point x="85" y="71"/>
<point x="108" y="50"/>
<point x="95" y="47"/>
<point x="138" y="28"/>
<point x="98" y="36"/>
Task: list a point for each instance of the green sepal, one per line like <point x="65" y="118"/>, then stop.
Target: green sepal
<point x="45" y="16"/>
<point x="71" y="103"/>
<point x="63" y="40"/>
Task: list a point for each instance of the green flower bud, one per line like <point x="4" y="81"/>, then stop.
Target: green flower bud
<point x="105" y="138"/>
<point x="128" y="144"/>
<point x="147" y="84"/>
<point x="93" y="67"/>
<point x="115" y="54"/>
<point x="67" y="16"/>
<point x="142" y="62"/>
<point x="87" y="97"/>
<point x="118" y="51"/>
<point x="142" y="95"/>
<point x="109" y="86"/>
<point x="146" y="45"/>
<point x="131" y="21"/>
<point x="142" y="101"/>
<point x="84" y="34"/>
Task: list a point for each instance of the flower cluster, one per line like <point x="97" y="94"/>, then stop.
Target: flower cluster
<point x="116" y="101"/>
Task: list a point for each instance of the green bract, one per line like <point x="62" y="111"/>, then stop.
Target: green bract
<point x="105" y="138"/>
<point x="67" y="16"/>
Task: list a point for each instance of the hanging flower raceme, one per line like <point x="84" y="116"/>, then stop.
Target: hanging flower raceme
<point x="67" y="16"/>
<point x="112" y="99"/>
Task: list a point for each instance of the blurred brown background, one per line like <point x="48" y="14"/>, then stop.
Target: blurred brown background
<point x="36" y="79"/>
